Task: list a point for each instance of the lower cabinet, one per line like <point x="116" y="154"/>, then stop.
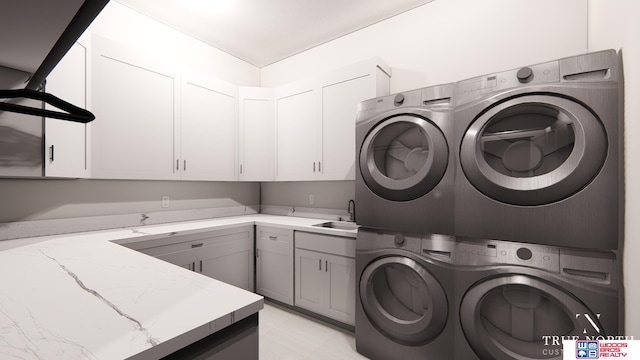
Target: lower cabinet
<point x="325" y="276"/>
<point x="225" y="255"/>
<point x="274" y="263"/>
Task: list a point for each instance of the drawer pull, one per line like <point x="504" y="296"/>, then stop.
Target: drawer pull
<point x="320" y="264"/>
<point x="326" y="266"/>
<point x="196" y="245"/>
<point x="273" y="237"/>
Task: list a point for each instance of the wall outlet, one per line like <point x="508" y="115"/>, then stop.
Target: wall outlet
<point x="312" y="199"/>
<point x="165" y="201"/>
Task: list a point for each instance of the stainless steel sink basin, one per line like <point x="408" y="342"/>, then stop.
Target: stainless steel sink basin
<point x="341" y="225"/>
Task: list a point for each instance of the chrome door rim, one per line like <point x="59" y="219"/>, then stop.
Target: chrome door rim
<point x="420" y="183"/>
<point x="584" y="162"/>
<point x="488" y="347"/>
<point x="420" y="331"/>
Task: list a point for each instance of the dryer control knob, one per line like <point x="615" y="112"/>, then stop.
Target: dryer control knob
<point x="398" y="100"/>
<point x="399" y="240"/>
<point x="524" y="253"/>
<point x="525" y="75"/>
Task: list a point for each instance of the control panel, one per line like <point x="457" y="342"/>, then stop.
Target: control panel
<point x="468" y="90"/>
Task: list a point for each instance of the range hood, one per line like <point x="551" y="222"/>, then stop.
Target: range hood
<point x="34" y="36"/>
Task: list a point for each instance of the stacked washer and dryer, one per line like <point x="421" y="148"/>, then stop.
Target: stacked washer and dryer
<point x="491" y="214"/>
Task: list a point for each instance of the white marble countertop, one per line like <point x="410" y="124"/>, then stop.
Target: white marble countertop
<point x="83" y="296"/>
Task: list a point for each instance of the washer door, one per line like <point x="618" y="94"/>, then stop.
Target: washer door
<point x="403" y="157"/>
<point x="403" y="300"/>
<point x="506" y="317"/>
<point x="533" y="150"/>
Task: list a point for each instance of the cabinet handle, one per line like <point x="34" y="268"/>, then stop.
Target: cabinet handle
<point x="326" y="266"/>
<point x="319" y="168"/>
<point x="319" y="264"/>
<point x="185" y="165"/>
<point x="51" y="152"/>
<point x="314" y="166"/>
<point x="241" y="169"/>
<point x="200" y="265"/>
<point x="177" y="164"/>
<point x="194" y="266"/>
<point x="196" y="245"/>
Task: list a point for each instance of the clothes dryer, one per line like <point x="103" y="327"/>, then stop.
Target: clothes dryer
<point x="540" y="153"/>
<point x="516" y="301"/>
<point x="404" y="294"/>
<point x="404" y="180"/>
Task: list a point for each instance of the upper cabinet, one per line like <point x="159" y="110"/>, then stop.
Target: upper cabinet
<point x="315" y="121"/>
<point x="66" y="142"/>
<point x="341" y="91"/>
<point x="159" y="121"/>
<point x="297" y="131"/>
<point x="156" y="121"/>
<point x="207" y="129"/>
<point x="256" y="146"/>
<point x="135" y="100"/>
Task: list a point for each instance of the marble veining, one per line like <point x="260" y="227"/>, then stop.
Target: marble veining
<point x="152" y="341"/>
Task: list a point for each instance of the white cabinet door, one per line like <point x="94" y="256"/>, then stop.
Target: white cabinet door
<point x="256" y="110"/>
<point x="185" y="259"/>
<point x="230" y="262"/>
<point x="341" y="296"/>
<point x="274" y="263"/>
<point x="310" y="281"/>
<point x="66" y="141"/>
<point x="342" y="91"/>
<point x="135" y="102"/>
<point x="326" y="275"/>
<point x="208" y="129"/>
<point x="297" y="131"/>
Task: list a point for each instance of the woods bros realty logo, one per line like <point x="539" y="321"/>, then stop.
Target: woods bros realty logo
<point x="593" y="344"/>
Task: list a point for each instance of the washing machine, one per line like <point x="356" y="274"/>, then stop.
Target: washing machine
<point x="404" y="180"/>
<point x="517" y="300"/>
<point x="404" y="294"/>
<point x="540" y="153"/>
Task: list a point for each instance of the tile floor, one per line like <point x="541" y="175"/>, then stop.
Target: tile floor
<point x="287" y="334"/>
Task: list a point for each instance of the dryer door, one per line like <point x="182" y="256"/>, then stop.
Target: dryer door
<point x="507" y="317"/>
<point x="403" y="300"/>
<point x="533" y="149"/>
<point x="403" y="157"/>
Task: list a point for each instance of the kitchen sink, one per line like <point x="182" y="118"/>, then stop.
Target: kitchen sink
<point x="341" y="225"/>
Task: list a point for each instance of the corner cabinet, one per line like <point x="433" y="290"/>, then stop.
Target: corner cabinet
<point x="66" y="142"/>
<point x="315" y="121"/>
<point x="274" y="263"/>
<point x="225" y="255"/>
<point x="135" y="100"/>
<point x="255" y="112"/>
<point x="325" y="278"/>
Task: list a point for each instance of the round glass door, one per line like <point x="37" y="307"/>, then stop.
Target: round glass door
<point x="507" y="317"/>
<point x="403" y="300"/>
<point x="403" y="157"/>
<point x="533" y="150"/>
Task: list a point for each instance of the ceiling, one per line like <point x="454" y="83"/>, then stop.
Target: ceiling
<point x="262" y="32"/>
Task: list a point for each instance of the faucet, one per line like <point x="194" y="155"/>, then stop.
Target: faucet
<point x="352" y="213"/>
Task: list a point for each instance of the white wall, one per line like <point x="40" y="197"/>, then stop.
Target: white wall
<point x="615" y="24"/>
<point x="129" y="27"/>
<point x="451" y="40"/>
